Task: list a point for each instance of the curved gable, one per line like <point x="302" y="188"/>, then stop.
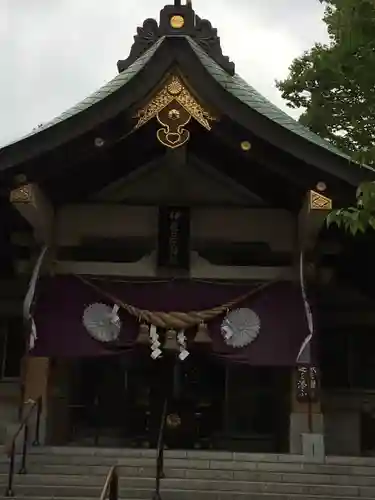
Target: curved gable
<point x="193" y="47"/>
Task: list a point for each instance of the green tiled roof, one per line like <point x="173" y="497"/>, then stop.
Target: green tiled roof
<point x="249" y="96"/>
<point x="233" y="84"/>
<point x="109" y="88"/>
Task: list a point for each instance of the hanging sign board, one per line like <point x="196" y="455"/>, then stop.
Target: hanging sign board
<point x="174" y="238"/>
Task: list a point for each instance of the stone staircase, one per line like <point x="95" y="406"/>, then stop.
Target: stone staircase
<point x="72" y="473"/>
<point x="10" y="400"/>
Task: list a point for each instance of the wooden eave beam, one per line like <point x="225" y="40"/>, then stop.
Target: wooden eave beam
<point x="311" y="219"/>
<point x="34" y="206"/>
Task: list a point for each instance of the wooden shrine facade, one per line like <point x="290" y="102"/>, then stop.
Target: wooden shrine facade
<point x="178" y="174"/>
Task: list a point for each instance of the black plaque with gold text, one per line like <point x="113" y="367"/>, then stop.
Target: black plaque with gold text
<point x="174" y="238"/>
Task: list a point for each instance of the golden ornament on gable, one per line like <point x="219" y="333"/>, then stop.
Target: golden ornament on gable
<point x="175" y="87"/>
<point x="173" y="134"/>
<point x="319" y="201"/>
<point x="174" y="106"/>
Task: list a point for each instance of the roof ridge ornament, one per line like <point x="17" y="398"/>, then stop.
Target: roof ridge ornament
<point x="177" y="3"/>
<point x="179" y="20"/>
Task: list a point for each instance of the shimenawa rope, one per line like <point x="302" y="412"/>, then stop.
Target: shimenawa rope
<point x="175" y="319"/>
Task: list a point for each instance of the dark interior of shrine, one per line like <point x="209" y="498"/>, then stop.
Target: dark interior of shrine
<point x="119" y="400"/>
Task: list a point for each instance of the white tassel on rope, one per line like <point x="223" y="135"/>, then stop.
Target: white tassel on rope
<point x="181" y="339"/>
<point x="155" y="344"/>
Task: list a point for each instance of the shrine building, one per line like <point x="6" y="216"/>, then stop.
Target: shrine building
<point x="164" y="242"/>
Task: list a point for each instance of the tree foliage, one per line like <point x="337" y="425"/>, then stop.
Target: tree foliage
<point x="334" y="84"/>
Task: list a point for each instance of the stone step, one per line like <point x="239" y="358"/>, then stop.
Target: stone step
<point x="66" y="471"/>
<point x="236" y="467"/>
<point x="72" y="483"/>
<point x="46" y="493"/>
<point x="59" y="498"/>
<point x="216" y="456"/>
<point x="262" y="496"/>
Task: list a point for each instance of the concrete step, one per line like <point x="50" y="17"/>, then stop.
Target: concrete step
<point x="50" y="472"/>
<point x="33" y="483"/>
<point x="238" y="469"/>
<point x="82" y="494"/>
<point x="212" y="456"/>
<point x="69" y="473"/>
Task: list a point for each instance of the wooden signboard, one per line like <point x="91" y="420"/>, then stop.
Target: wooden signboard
<point x="174" y="238"/>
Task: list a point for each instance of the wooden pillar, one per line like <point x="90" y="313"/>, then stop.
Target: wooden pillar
<point x="305" y="416"/>
<point x="36" y="381"/>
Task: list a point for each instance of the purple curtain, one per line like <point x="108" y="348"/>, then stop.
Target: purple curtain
<point x="61" y="301"/>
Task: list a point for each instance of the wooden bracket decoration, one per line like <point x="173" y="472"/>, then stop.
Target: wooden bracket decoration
<point x="35" y="207"/>
<point x="24" y="194"/>
<point x="317" y="201"/>
<point x="174" y="106"/>
<point x="312" y="218"/>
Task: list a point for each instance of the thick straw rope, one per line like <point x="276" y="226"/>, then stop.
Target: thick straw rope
<point x="174" y="319"/>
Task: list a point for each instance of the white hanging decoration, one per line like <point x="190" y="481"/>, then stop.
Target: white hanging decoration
<point x="29" y="298"/>
<point x="33" y="335"/>
<point x="102" y="322"/>
<point x="181" y="339"/>
<point x="155" y="344"/>
<point x="115" y="318"/>
<point x="240" y="327"/>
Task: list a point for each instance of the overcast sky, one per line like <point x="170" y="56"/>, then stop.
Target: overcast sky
<point x="53" y="53"/>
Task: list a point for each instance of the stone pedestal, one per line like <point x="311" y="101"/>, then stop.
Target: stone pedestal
<point x="313" y="447"/>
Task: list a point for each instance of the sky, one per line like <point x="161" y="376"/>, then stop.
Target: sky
<point x="54" y="53"/>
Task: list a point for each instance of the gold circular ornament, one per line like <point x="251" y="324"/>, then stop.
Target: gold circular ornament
<point x="177" y="22"/>
<point x="321" y="186"/>
<point x="175" y="87"/>
<point x="173" y="421"/>
<point x="174" y="114"/>
<point x="245" y="146"/>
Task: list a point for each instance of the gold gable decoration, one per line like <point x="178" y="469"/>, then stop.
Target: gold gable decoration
<point x="173" y="107"/>
<point x="319" y="202"/>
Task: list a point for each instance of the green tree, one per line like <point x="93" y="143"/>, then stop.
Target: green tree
<point x="334" y="84"/>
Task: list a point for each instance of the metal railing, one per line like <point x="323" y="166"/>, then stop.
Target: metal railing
<point x="36" y="406"/>
<point x="110" y="488"/>
<point x="160" y="453"/>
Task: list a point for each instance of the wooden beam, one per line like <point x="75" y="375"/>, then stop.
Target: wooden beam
<point x="34" y="206"/>
<point x="311" y="219"/>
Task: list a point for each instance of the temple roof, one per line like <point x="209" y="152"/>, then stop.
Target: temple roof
<point x="119" y="81"/>
<point x="201" y="38"/>
<point x="238" y="87"/>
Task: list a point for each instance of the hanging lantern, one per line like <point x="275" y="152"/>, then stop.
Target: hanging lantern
<point x="171" y="343"/>
<point x="202" y="336"/>
<point x="143" y="336"/>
